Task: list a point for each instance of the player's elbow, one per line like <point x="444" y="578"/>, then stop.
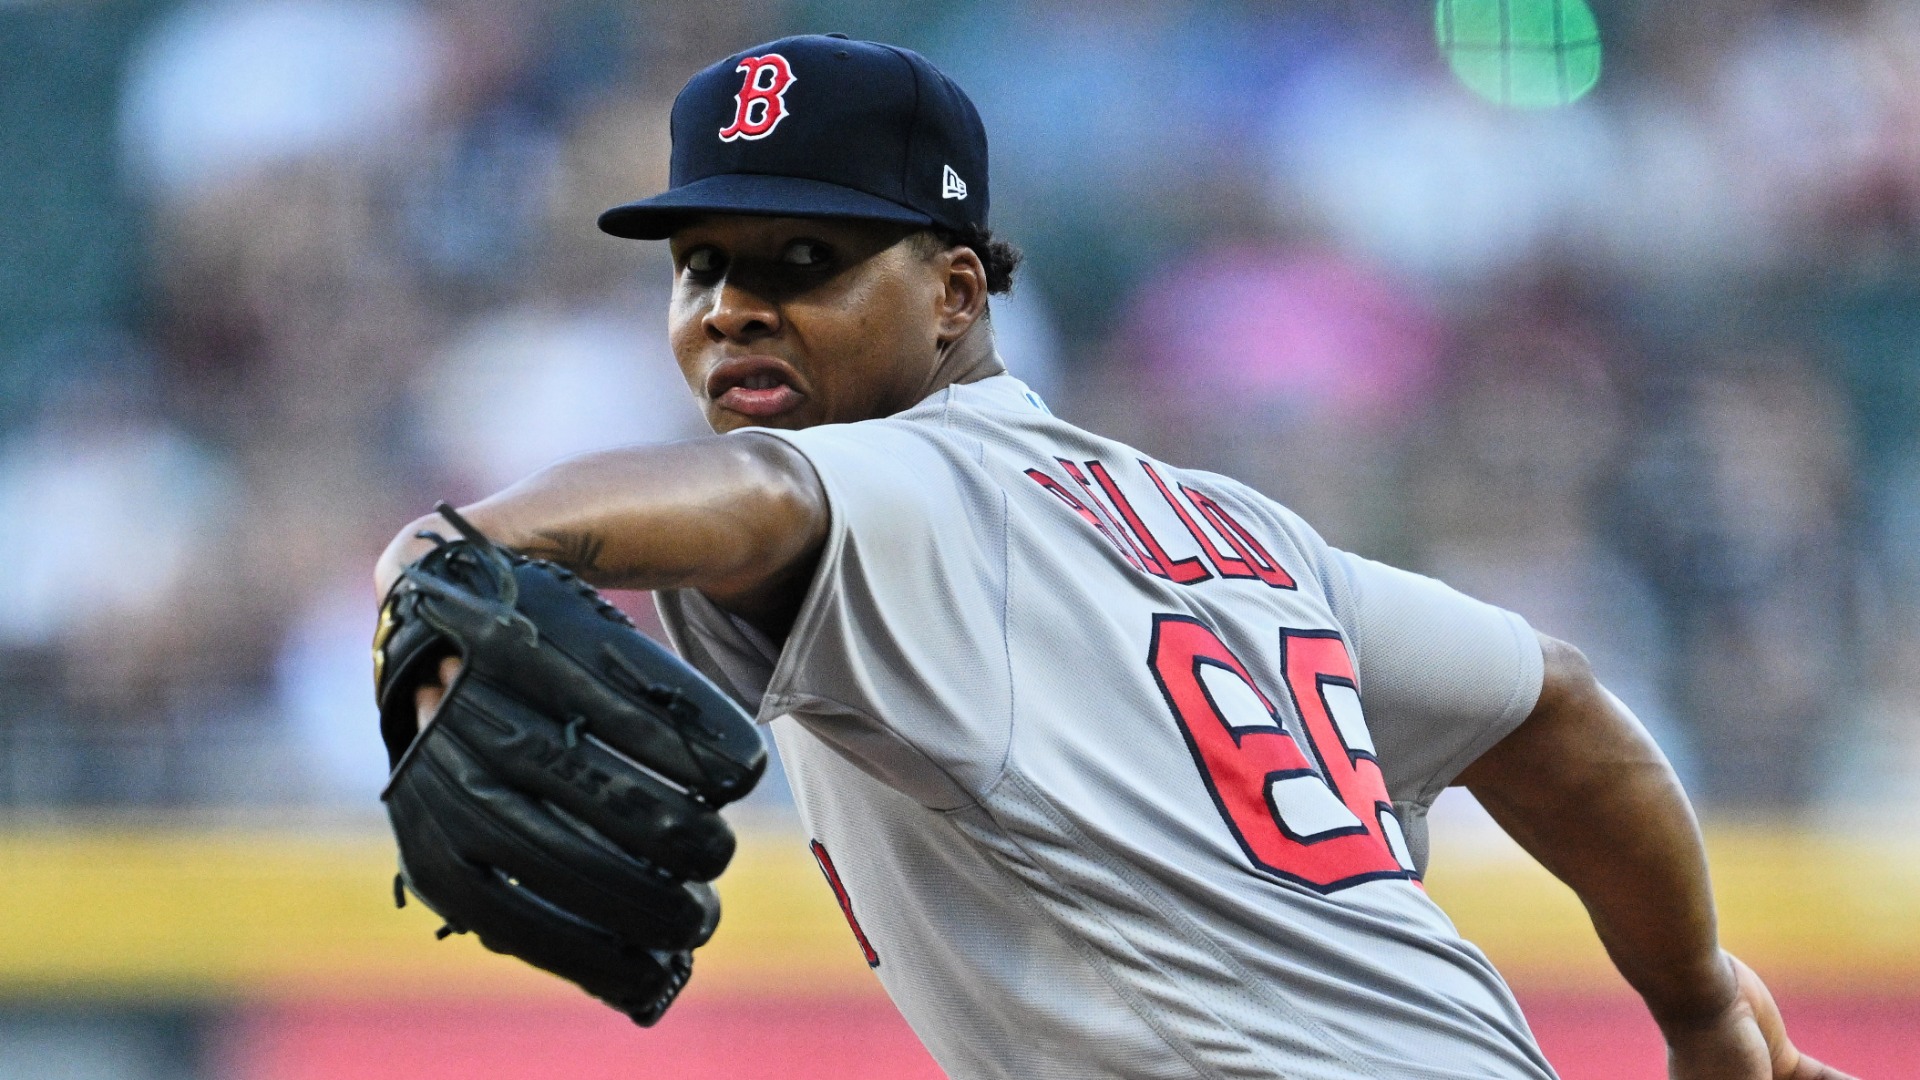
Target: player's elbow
<point x="783" y="497"/>
<point x="773" y="519"/>
<point x="1567" y="680"/>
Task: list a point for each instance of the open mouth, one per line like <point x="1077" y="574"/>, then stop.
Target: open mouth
<point x="756" y="386"/>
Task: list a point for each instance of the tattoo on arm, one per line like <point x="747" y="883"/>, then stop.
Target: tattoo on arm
<point x="580" y="552"/>
<point x="577" y="550"/>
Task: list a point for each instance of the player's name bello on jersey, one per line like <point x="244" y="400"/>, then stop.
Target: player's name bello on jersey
<point x="1136" y="541"/>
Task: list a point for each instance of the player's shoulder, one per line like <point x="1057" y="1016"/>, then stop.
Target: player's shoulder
<point x="1011" y="420"/>
<point x="928" y="453"/>
<point x="997" y="407"/>
<point x="1254" y="503"/>
<point x="959" y="423"/>
<point x="924" y="424"/>
<point x="1006" y="414"/>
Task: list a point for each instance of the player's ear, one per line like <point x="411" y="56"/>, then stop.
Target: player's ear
<point x="963" y="298"/>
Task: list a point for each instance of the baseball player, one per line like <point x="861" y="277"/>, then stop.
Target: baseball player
<point x="1117" y="768"/>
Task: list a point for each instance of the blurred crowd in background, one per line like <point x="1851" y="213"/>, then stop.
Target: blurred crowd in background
<point x="279" y="274"/>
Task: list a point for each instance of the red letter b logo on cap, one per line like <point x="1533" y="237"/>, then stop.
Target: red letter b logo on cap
<point x="762" y="99"/>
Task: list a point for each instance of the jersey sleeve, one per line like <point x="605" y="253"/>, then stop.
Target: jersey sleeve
<point x="898" y="655"/>
<point x="1443" y="677"/>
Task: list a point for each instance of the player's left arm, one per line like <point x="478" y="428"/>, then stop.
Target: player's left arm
<point x="740" y="517"/>
<point x="1584" y="789"/>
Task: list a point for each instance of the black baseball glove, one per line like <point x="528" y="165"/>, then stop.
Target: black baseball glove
<point x="562" y="805"/>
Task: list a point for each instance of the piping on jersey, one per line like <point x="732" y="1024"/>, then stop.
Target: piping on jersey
<point x="846" y="902"/>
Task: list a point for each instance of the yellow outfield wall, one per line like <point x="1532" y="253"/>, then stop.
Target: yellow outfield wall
<point x="124" y="910"/>
<point x="1814" y="909"/>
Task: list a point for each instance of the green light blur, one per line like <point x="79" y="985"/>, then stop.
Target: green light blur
<point x="1525" y="54"/>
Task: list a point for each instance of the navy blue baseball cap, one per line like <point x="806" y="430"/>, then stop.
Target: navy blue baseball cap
<point x="819" y="126"/>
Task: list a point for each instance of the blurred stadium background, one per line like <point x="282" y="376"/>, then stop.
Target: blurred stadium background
<point x="1639" y="358"/>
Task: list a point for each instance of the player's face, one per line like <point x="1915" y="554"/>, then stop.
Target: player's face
<point x="792" y="322"/>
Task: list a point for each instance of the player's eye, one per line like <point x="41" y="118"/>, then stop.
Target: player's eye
<point x="808" y="253"/>
<point x="704" y="262"/>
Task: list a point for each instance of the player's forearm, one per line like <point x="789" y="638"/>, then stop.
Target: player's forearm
<point x="723" y="514"/>
<point x="1586" y="791"/>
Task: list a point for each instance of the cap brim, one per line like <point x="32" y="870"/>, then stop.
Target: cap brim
<point x="750" y="193"/>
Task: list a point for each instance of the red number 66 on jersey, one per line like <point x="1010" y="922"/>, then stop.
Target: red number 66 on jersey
<point x="1328" y="828"/>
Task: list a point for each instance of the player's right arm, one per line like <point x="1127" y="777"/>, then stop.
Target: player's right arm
<point x="1458" y="692"/>
<point x="739" y="517"/>
<point x="1586" y="791"/>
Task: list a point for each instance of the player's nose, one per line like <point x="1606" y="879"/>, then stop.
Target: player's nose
<point x="740" y="314"/>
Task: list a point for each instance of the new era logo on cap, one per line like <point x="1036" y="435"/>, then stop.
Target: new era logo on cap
<point x="820" y="126"/>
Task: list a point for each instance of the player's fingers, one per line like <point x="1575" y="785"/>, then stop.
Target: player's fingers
<point x="1786" y="1058"/>
<point x="426" y="702"/>
<point x="1788" y="1062"/>
<point x="1813" y="1070"/>
<point x="427" y="697"/>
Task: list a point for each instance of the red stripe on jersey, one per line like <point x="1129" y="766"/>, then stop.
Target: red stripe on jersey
<point x="846" y="903"/>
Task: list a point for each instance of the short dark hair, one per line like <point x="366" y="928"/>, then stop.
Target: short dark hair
<point x="999" y="257"/>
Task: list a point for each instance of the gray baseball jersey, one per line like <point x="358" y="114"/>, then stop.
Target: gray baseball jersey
<point x="1118" y="769"/>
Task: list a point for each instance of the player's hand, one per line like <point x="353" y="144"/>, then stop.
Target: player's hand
<point x="402" y="550"/>
<point x="1747" y="1041"/>
<point x="564" y="810"/>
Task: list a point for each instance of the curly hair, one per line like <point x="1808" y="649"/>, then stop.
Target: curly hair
<point x="999" y="257"/>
